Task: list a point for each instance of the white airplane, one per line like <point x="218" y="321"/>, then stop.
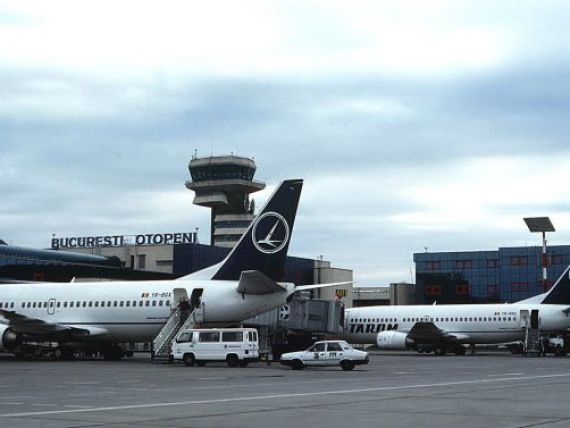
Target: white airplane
<point x="447" y="328"/>
<point x="103" y="314"/>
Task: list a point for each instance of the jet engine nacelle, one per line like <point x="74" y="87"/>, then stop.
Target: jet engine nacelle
<point x="393" y="340"/>
<point x="8" y="339"/>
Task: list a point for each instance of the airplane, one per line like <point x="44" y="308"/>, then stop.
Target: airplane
<point x="66" y="316"/>
<point x="448" y="328"/>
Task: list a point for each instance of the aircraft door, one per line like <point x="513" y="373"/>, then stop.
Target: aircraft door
<point x="534" y="319"/>
<point x="51" y="307"/>
<point x="179" y="295"/>
<point x="196" y="297"/>
<point x="525" y="320"/>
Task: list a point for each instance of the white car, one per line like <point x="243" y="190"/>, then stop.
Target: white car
<point x="326" y="353"/>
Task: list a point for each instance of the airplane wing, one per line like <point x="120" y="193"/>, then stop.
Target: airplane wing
<point x="428" y="332"/>
<point x="330" y="284"/>
<point x="255" y="282"/>
<point x="36" y="327"/>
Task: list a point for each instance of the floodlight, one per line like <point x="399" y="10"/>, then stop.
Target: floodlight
<point x="539" y="224"/>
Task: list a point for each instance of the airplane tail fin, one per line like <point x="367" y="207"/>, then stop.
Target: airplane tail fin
<point x="559" y="294"/>
<point x="263" y="247"/>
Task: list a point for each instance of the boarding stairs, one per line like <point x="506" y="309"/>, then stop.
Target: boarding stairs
<point x="532" y="342"/>
<point x="184" y="316"/>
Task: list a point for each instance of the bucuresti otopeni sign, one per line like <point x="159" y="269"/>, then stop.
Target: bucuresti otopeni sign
<point x="121" y="240"/>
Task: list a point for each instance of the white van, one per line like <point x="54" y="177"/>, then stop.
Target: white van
<point x="236" y="346"/>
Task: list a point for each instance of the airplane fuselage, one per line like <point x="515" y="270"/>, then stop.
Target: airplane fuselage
<point x="130" y="311"/>
<point x="480" y="324"/>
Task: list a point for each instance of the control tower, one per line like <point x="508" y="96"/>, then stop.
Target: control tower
<point x="224" y="183"/>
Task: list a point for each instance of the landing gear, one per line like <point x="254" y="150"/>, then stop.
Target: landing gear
<point x="440" y="350"/>
<point x="63" y="353"/>
<point x="113" y="353"/>
<point x="460" y="350"/>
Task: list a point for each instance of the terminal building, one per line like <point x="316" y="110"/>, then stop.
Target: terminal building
<point x="508" y="274"/>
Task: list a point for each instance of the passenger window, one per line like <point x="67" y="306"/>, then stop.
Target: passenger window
<point x="160" y="303"/>
<point x="153" y="303"/>
<point x="84" y="304"/>
<point x="97" y="304"/>
<point x="147" y="303"/>
<point x="34" y="305"/>
<point x="209" y="336"/>
<point x="71" y="304"/>
<point x="140" y="303"/>
<point x="108" y="304"/>
<point x="168" y="303"/>
<point x="58" y="304"/>
<point x="90" y="304"/>
<point x="318" y="347"/>
<point x="128" y="303"/>
<point x="334" y="347"/>
<point x="115" y="304"/>
<point x="232" y="336"/>
<point x="121" y="304"/>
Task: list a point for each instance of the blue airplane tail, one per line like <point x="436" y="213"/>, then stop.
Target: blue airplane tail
<point x="263" y="247"/>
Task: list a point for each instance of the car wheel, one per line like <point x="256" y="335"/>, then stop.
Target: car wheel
<point x="232" y="360"/>
<point x="347" y="364"/>
<point x="188" y="360"/>
<point x="297" y="365"/>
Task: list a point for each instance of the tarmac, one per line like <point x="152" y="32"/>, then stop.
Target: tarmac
<point x="491" y="389"/>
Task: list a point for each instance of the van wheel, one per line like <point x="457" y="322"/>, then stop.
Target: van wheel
<point x="346" y="365"/>
<point x="189" y="360"/>
<point x="297" y="365"/>
<point x="232" y="360"/>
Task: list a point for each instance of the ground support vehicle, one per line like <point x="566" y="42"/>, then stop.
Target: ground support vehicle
<point x="236" y="346"/>
<point x="326" y="353"/>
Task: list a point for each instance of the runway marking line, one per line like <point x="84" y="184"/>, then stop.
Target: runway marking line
<point x="270" y="397"/>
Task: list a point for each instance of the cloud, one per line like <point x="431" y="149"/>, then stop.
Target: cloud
<point x="430" y="124"/>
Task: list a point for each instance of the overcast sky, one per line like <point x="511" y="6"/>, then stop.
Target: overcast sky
<point x="415" y="124"/>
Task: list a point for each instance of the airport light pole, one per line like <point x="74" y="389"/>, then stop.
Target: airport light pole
<point x="542" y="225"/>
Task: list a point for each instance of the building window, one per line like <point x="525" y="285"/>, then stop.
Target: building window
<point x="433" y="265"/>
<point x="493" y="289"/>
<point x="462" y="290"/>
<point x="519" y="286"/>
<point x="433" y="290"/>
<point x="142" y="261"/>
<point x="493" y="263"/>
<point x="463" y="264"/>
<point x="519" y="261"/>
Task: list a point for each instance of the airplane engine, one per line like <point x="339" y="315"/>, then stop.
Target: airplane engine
<point x="393" y="340"/>
<point x="8" y="339"/>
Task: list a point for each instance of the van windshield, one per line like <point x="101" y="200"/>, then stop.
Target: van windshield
<point x="185" y="337"/>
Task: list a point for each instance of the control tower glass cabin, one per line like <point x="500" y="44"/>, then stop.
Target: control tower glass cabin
<point x="223" y="184"/>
